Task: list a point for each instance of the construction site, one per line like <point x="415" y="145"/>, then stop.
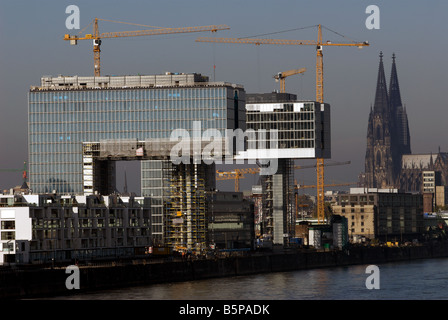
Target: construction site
<point x="80" y="126"/>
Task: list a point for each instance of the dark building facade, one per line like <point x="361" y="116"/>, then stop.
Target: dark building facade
<point x="230" y="220"/>
<point x="389" y="162"/>
<point x="388" y="137"/>
<point x="385" y="215"/>
<point x="416" y="166"/>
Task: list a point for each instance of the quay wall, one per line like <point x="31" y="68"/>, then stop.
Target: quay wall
<point x="21" y="282"/>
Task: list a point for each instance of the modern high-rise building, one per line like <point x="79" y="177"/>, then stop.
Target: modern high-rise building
<point x="70" y="116"/>
<point x="286" y="129"/>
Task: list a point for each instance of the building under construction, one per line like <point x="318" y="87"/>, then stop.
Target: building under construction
<point x="80" y="126"/>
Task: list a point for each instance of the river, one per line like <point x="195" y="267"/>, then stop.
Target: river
<point x="419" y="279"/>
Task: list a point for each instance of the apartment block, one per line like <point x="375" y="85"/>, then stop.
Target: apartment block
<point x="383" y="214"/>
<point x="49" y="227"/>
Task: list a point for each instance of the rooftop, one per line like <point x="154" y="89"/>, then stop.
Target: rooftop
<point x="169" y="79"/>
<point x="272" y="97"/>
<point x="14" y="200"/>
<point x="422" y="160"/>
<point x="371" y="190"/>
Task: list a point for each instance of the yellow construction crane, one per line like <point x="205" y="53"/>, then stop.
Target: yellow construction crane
<point x="237" y="174"/>
<point x="319" y="86"/>
<point x="96" y="37"/>
<point x="281" y="76"/>
<point x="299" y="186"/>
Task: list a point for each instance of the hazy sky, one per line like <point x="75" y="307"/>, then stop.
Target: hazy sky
<point x="31" y="37"/>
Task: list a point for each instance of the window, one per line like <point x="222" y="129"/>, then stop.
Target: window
<point x="8" y="247"/>
<point x="8" y="235"/>
<point x="8" y="225"/>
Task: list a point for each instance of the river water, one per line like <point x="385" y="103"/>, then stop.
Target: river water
<point x="419" y="279"/>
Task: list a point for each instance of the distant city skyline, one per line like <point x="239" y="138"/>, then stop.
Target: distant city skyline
<point x="33" y="33"/>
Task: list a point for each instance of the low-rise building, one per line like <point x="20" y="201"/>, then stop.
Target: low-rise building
<point x="231" y="221"/>
<point x="441" y="196"/>
<point x="49" y="227"/>
<point x="333" y="235"/>
<point x="381" y="214"/>
<point x="428" y="202"/>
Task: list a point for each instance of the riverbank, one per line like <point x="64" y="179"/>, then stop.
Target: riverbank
<point x="18" y="283"/>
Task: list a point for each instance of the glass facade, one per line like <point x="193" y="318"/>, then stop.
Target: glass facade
<point x="295" y="128"/>
<point x="301" y="129"/>
<point x="60" y="120"/>
<point x="155" y="185"/>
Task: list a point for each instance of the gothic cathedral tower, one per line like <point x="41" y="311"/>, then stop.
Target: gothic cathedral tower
<point x="387" y="133"/>
<point x="379" y="164"/>
<point x="401" y="134"/>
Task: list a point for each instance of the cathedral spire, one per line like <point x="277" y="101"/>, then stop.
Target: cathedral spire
<point x="394" y="88"/>
<point x="403" y="139"/>
<point x="381" y="97"/>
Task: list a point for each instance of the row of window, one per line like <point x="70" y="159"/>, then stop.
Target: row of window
<point x="279" y="116"/>
<point x="283" y="144"/>
<point x="89" y="223"/>
<point x="93" y="112"/>
<point x="134" y="94"/>
<point x="284" y="126"/>
<point x="74" y="131"/>
<point x="151" y="174"/>
<point x="352" y="210"/>
<point x="383" y="199"/>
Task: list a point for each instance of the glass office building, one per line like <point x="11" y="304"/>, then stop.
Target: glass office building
<point x="302" y="127"/>
<point x="300" y="130"/>
<point x="64" y="112"/>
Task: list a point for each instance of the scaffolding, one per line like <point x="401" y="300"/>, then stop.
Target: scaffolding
<point x="186" y="207"/>
<point x="185" y="186"/>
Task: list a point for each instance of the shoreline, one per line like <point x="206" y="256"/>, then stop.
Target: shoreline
<point x="23" y="283"/>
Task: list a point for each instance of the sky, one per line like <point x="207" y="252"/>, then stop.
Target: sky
<point x="32" y="45"/>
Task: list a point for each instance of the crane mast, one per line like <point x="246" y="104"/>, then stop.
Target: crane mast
<point x="319" y="44"/>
